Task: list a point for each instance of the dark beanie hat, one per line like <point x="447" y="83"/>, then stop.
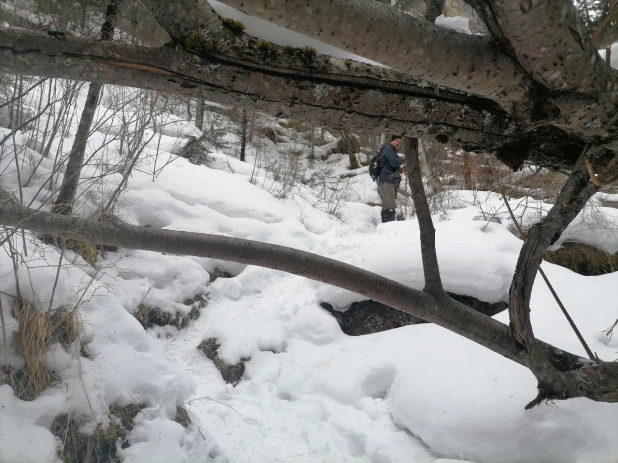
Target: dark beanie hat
<point x="395" y="137"/>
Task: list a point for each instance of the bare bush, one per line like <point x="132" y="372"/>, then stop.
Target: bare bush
<point x="287" y="173"/>
<point x="333" y="192"/>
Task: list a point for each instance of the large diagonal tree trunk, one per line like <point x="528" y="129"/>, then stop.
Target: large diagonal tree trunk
<point x="470" y="64"/>
<point x="64" y="201"/>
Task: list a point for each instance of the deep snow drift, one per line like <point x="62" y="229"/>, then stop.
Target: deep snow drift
<point x="309" y="393"/>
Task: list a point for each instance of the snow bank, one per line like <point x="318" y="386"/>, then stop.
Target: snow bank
<point x="123" y="364"/>
<point x="310" y="393"/>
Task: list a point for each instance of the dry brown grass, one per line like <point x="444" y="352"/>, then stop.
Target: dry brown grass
<point x="548" y="184"/>
<point x="584" y="259"/>
<point x="86" y="250"/>
<point x="37" y="332"/>
<point x="101" y="445"/>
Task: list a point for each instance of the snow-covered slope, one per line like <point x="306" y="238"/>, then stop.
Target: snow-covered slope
<point x="309" y="393"/>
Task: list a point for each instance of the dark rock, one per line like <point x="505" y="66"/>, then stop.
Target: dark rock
<point x="182" y="417"/>
<point x="231" y="374"/>
<point x="480" y="306"/>
<point x="369" y="316"/>
<point x="154" y="316"/>
<point x="366" y="317"/>
<point x="217" y="273"/>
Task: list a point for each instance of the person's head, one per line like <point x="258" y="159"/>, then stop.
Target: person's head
<point x="396" y="141"/>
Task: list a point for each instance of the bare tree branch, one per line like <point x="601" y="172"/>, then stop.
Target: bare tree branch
<point x="577" y="190"/>
<point x="548" y="283"/>
<point x="66" y="195"/>
<point x="433" y="281"/>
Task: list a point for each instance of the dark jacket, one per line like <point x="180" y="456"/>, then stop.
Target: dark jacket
<point x="389" y="165"/>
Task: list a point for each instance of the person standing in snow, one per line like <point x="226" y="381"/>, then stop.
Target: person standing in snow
<point x="390" y="177"/>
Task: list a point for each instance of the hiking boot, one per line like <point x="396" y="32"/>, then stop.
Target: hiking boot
<point x="388" y="215"/>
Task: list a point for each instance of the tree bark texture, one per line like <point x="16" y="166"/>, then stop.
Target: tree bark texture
<point x="434" y="9"/>
<point x="330" y="95"/>
<point x="180" y="18"/>
<point x="562" y="59"/>
<point x="403" y="42"/>
<point x="575" y="193"/>
<point x="535" y="80"/>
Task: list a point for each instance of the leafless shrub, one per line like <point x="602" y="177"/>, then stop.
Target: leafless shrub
<point x="333" y="192"/>
<point x="287" y="172"/>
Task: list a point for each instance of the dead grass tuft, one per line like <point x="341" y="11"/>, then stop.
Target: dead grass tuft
<point x="37" y="332"/>
<point x="548" y="184"/>
<point x="86" y="250"/>
<point x="584" y="259"/>
<point x="100" y="445"/>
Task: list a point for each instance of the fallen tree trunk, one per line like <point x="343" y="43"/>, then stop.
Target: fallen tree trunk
<point x="326" y="92"/>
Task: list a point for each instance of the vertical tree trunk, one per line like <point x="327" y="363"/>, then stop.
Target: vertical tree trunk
<point x="466" y="172"/>
<point x="189" y="112"/>
<point x="433" y="281"/>
<point x="353" y="160"/>
<point x="312" y="140"/>
<point x="244" y="125"/>
<point x="199" y="115"/>
<point x="252" y="126"/>
<point x="64" y="201"/>
<point x="608" y="55"/>
<point x="432" y="177"/>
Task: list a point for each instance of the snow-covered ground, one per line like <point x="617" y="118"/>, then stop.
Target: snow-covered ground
<point x="309" y="392"/>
